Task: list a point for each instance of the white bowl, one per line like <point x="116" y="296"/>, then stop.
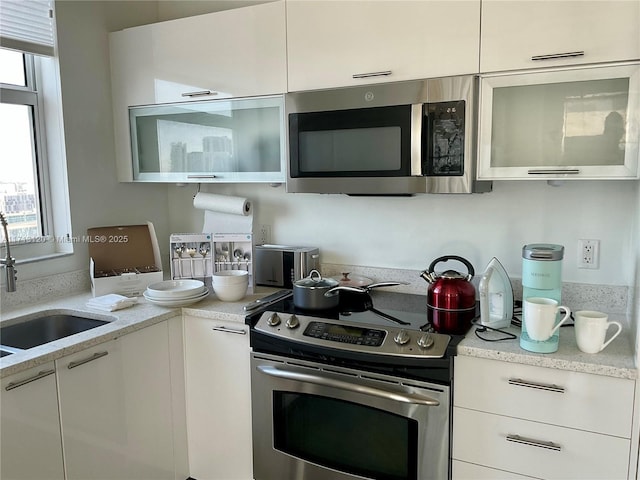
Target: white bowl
<point x="230" y="277"/>
<point x="231" y="292"/>
<point x="173" y="289"/>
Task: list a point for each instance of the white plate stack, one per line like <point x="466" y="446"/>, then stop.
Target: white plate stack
<point x="176" y="293"/>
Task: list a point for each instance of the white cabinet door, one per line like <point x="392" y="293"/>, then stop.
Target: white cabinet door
<point x="234" y="140"/>
<point x="115" y="407"/>
<point x="594" y="403"/>
<point x="234" y="53"/>
<point x="537" y="449"/>
<point x="30" y="444"/>
<point x="343" y="43"/>
<point x="574" y="123"/>
<point x="471" y="471"/>
<point x="529" y="33"/>
<point x="218" y="393"/>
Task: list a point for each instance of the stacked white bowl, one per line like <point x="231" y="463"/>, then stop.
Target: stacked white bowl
<point x="230" y="285"/>
<point x="176" y="293"/>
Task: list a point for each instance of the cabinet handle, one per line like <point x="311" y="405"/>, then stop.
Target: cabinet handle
<point x="38" y="376"/>
<point x="372" y="74"/>
<point x="534" y="443"/>
<point x="200" y="93"/>
<point x="201" y="176"/>
<point x="93" y="357"/>
<point x="237" y="331"/>
<point x="538" y="386"/>
<point x="549" y="171"/>
<point x="554" y="56"/>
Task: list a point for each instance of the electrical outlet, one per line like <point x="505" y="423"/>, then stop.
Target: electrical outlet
<point x="264" y="234"/>
<point x="589" y="254"/>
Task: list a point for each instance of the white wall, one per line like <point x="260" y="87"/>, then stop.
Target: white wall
<point x="410" y="232"/>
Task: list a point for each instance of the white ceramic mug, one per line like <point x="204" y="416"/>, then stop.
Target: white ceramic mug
<point x="540" y="317"/>
<point x="591" y="329"/>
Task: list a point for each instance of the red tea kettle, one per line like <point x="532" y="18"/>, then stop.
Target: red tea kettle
<point x="451" y="297"/>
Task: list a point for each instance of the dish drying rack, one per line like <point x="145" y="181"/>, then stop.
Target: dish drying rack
<point x="199" y="255"/>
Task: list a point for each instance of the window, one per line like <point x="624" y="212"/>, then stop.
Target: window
<point x="23" y="198"/>
<point x="34" y="193"/>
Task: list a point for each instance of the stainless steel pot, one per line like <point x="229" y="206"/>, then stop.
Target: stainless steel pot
<point x="308" y="293"/>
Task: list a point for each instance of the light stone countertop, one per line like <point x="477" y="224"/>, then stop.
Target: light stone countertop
<point x="616" y="360"/>
<point x="123" y="321"/>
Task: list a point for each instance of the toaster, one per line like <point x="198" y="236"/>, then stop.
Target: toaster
<point x="280" y="265"/>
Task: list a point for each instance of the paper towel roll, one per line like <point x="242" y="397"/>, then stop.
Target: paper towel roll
<point x="222" y="203"/>
<point x="224" y="213"/>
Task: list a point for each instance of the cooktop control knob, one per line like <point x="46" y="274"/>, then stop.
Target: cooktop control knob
<point x="273" y="320"/>
<point x="426" y="341"/>
<point x="293" y="322"/>
<point x="402" y="338"/>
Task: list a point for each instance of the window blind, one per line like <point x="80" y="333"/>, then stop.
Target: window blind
<point x="27" y="25"/>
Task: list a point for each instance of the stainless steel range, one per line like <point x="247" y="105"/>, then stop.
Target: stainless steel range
<point x="361" y="391"/>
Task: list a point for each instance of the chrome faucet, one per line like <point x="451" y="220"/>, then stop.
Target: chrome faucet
<point x="9" y="262"/>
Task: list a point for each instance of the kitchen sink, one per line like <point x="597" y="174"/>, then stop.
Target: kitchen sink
<point x="45" y="329"/>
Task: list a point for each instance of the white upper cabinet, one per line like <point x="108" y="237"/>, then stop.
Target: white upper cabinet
<point x="526" y="34"/>
<point x="233" y="53"/>
<point x="222" y="55"/>
<point x="574" y="123"/>
<point x="343" y="43"/>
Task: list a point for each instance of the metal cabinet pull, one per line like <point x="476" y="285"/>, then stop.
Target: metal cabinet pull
<point x="538" y="386"/>
<point x="534" y="443"/>
<point x="555" y="56"/>
<point x="201" y="176"/>
<point x="200" y="93"/>
<point x="551" y="171"/>
<point x="229" y="330"/>
<point x="372" y="74"/>
<point x="348" y="386"/>
<point x="38" y="376"/>
<point x="93" y="357"/>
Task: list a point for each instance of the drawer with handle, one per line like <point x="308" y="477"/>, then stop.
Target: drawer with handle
<point x="590" y="402"/>
<point x="537" y="449"/>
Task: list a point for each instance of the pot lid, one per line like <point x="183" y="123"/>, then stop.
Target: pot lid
<point x="315" y="280"/>
<point x="345" y="280"/>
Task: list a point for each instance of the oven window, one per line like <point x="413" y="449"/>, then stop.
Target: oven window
<point x="346" y="436"/>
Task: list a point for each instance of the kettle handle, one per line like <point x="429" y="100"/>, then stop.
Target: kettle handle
<point x="470" y="270"/>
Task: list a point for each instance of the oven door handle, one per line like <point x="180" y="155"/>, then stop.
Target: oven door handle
<point x="330" y="382"/>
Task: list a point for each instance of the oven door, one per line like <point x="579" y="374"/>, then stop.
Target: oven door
<point x="317" y="422"/>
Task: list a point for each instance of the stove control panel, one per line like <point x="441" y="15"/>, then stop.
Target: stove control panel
<point x="352" y="336"/>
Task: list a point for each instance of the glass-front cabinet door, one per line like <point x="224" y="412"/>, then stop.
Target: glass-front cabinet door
<point x="581" y="123"/>
<point x="232" y="140"/>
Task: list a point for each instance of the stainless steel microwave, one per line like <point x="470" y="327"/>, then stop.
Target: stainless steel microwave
<point x="385" y="139"/>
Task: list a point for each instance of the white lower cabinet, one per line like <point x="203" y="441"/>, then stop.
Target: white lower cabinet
<point x="116" y="410"/>
<point x="218" y="395"/>
<point x="539" y="422"/>
<point x="471" y="471"/>
<point x="30" y="446"/>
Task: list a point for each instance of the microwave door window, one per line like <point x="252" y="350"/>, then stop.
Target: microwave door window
<point x="355" y="150"/>
<point x="371" y="142"/>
